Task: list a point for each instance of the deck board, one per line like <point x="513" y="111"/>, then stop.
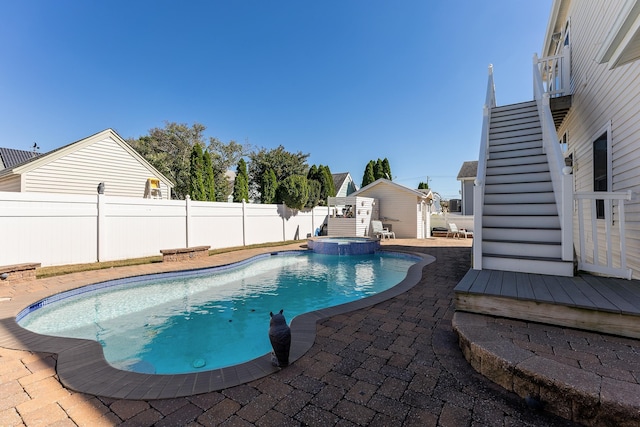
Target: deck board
<point x="589" y="302"/>
<point x="468" y="280"/>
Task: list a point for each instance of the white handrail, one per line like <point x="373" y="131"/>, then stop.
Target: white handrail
<point x="561" y="177"/>
<point x="478" y="189"/>
<point x="608" y="199"/>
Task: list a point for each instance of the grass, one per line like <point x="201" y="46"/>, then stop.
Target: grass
<point x="59" y="270"/>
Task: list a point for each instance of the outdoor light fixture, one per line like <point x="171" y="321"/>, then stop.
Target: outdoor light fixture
<point x="101" y="188"/>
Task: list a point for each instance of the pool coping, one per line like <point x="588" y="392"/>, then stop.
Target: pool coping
<point x="81" y="365"/>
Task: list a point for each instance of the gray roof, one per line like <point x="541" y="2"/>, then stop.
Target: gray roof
<point x="10" y="157"/>
<point x="469" y="170"/>
<point x="338" y="179"/>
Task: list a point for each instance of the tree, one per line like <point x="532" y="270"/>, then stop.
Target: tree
<point x="368" y="176"/>
<point x="224" y="157"/>
<point x="168" y="149"/>
<point x="209" y="178"/>
<point x="241" y="185"/>
<point x="322" y="174"/>
<point x="283" y="163"/>
<point x="386" y="168"/>
<point x="378" y="170"/>
<point x="293" y="191"/>
<point x="423" y="186"/>
<point x="314" y="193"/>
<point x="268" y="187"/>
<point x="196" y="181"/>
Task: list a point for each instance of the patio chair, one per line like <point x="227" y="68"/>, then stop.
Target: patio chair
<point x="455" y="232"/>
<point x="381" y="232"/>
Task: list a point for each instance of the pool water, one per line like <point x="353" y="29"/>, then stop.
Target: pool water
<point x="215" y="317"/>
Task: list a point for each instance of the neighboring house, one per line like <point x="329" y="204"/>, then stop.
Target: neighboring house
<point x="403" y="210"/>
<point x="10" y="157"/>
<point x="79" y="168"/>
<point x="344" y="184"/>
<point x="467" y="176"/>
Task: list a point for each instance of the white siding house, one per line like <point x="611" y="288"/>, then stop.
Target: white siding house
<point x="467" y="176"/>
<point x="403" y="210"/>
<point x="344" y="184"/>
<point x="603" y="121"/>
<point x="79" y="168"/>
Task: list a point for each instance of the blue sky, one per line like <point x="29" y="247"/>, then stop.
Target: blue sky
<point x="346" y="81"/>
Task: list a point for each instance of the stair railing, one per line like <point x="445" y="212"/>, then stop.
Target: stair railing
<point x="478" y="189"/>
<point x="561" y="177"/>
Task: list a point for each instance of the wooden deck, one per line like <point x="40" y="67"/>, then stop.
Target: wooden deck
<point x="601" y="304"/>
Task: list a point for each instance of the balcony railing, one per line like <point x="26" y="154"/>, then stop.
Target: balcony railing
<point x="556" y="73"/>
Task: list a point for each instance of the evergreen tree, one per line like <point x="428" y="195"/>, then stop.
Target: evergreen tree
<point x="314" y="193"/>
<point x="268" y="187"/>
<point x="368" y="176"/>
<point x="293" y="191"/>
<point x="378" y="170"/>
<point x="196" y="180"/>
<point x="209" y="178"/>
<point x="241" y="185"/>
<point x="423" y="186"/>
<point x="386" y="168"/>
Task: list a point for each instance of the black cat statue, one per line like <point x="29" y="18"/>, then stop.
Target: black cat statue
<point x="280" y="337"/>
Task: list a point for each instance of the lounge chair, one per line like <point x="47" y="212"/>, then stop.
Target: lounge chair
<point x="381" y="232"/>
<point x="455" y="232"/>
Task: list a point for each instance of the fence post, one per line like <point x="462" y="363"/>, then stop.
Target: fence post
<point x="187" y="213"/>
<point x="284" y="222"/>
<point x="101" y="228"/>
<point x="244" y="223"/>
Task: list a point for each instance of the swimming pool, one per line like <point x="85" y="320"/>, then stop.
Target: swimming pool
<point x="184" y="322"/>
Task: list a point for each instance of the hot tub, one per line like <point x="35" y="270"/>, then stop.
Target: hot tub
<point x="343" y="245"/>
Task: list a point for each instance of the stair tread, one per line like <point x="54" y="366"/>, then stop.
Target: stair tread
<point x="523" y="242"/>
<point x="532" y="258"/>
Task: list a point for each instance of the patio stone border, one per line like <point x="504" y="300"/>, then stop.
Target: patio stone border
<point x="81" y="365"/>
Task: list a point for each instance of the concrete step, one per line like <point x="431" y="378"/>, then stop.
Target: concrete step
<point x="536" y="266"/>
<point x="518" y="177"/>
<point x="527" y="187"/>
<point x="521" y="209"/>
<point x="523" y="234"/>
<point x="521" y="249"/>
<point x="521" y="221"/>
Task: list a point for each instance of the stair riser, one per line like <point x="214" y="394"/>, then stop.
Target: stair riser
<point x="525" y="235"/>
<point x="516" y="153"/>
<point x="522" y="249"/>
<point x="521" y="221"/>
<point x="510" y="110"/>
<point x="514" y="121"/>
<point x="514" y="146"/>
<point x="515" y="133"/>
<point x="529" y="187"/>
<point x="507" y="170"/>
<point x="515" y="161"/>
<point x="506" y="198"/>
<point x="518" y="178"/>
<point x="521" y="209"/>
<point x="530" y="266"/>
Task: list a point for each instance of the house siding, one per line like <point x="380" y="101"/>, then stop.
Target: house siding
<point x="601" y="96"/>
<point x="399" y="206"/>
<point x="80" y="172"/>
<point x="10" y="183"/>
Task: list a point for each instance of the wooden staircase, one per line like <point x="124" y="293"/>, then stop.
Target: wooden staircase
<point x="520" y="224"/>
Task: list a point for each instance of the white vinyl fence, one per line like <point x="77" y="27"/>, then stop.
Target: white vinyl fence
<point x="58" y="229"/>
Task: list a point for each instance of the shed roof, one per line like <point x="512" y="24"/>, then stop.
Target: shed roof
<point x="469" y="170"/>
<point x="338" y="179"/>
<point x="383" y="181"/>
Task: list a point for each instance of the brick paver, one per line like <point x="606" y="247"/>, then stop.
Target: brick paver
<point x="397" y="363"/>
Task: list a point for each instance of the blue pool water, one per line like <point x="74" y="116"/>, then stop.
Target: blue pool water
<point x="212" y="318"/>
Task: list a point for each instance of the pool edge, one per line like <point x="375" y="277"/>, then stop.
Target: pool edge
<point x="81" y="365"/>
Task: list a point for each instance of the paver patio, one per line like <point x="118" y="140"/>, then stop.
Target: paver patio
<point x="396" y="363"/>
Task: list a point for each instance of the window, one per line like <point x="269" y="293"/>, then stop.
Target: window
<point x="601" y="168"/>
